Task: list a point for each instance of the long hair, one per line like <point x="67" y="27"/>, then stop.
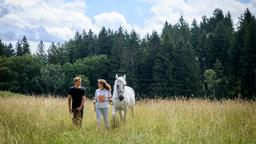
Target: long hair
<point x="105" y="84"/>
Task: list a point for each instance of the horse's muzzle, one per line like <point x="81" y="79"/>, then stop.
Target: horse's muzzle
<point x="121" y="98"/>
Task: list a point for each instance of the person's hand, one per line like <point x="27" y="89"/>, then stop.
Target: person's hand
<point x="70" y="110"/>
<point x="110" y="101"/>
<point x="79" y="108"/>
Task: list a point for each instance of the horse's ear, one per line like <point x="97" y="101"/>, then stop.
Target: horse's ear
<point x="124" y="76"/>
<point x="116" y="76"/>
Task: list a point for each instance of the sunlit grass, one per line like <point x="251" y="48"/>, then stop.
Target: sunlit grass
<point x="46" y="120"/>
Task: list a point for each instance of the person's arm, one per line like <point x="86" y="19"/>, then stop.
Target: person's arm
<point x="110" y="97"/>
<point x="94" y="100"/>
<point x="69" y="103"/>
<point x="82" y="103"/>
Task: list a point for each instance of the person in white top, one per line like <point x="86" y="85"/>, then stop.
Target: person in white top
<point x="101" y="102"/>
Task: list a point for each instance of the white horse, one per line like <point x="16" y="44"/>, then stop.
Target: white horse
<point x="123" y="98"/>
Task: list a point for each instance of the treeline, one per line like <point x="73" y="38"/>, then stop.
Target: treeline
<point x="207" y="59"/>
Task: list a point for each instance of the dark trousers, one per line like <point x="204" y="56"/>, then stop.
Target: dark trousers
<point x="77" y="117"/>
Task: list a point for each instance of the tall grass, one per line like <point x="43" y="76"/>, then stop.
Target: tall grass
<point x="26" y="120"/>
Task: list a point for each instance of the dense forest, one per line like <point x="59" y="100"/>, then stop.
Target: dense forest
<point x="212" y="58"/>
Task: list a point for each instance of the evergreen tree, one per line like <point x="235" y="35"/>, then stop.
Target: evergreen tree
<point x="41" y="51"/>
<point x="104" y="42"/>
<point x="6" y="50"/>
<point x="9" y="50"/>
<point x="246" y="44"/>
<point x="131" y="59"/>
<point x="91" y="39"/>
<point x="2" y="48"/>
<point x="52" y="54"/>
<point x="119" y="43"/>
<point x="25" y="46"/>
<point x="150" y="47"/>
<point x="209" y="58"/>
<point x="163" y="67"/>
<point x="19" y="49"/>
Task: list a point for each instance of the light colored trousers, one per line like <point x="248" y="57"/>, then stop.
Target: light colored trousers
<point x="99" y="113"/>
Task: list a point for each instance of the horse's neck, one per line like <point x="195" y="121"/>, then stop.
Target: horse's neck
<point x="115" y="91"/>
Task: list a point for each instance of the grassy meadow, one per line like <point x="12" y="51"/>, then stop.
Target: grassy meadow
<point x="32" y="120"/>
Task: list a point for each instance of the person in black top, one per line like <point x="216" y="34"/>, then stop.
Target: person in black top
<point x="76" y="94"/>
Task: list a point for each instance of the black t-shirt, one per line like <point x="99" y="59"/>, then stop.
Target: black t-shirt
<point x="76" y="94"/>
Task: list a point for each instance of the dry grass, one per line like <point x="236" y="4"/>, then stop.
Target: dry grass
<point x="46" y="120"/>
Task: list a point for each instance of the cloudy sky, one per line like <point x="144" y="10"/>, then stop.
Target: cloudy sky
<point x="57" y="20"/>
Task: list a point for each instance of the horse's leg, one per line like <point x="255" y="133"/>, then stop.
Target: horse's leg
<point x="114" y="116"/>
<point x="121" y="115"/>
<point x="124" y="116"/>
<point x="132" y="111"/>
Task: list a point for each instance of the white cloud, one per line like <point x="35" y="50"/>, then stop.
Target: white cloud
<point x="171" y="10"/>
<point x="61" y="32"/>
<point x="112" y="20"/>
<point x="58" y="20"/>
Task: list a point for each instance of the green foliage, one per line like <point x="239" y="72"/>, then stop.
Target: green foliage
<point x="175" y="63"/>
<point x="52" y="79"/>
<point x="131" y="59"/>
<point x="104" y="42"/>
<point x="41" y="51"/>
<point x="25" y="46"/>
<point x="6" y="50"/>
<point x="9" y="94"/>
<point x="246" y="46"/>
<point x="19" y="50"/>
<point x="150" y="47"/>
<point x="211" y="81"/>
<point x="90" y="69"/>
<point x="22" y="47"/>
<point x="21" y="72"/>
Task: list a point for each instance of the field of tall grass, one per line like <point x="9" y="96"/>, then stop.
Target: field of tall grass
<point x="32" y="120"/>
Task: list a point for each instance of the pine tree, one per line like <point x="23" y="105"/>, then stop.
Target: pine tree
<point x="119" y="43"/>
<point x="6" y="50"/>
<point x="104" y="42"/>
<point x="246" y="41"/>
<point x="131" y="59"/>
<point x="150" y="47"/>
<point x="9" y="50"/>
<point x="195" y="36"/>
<point x="52" y="54"/>
<point x="41" y="51"/>
<point x="163" y="67"/>
<point x="91" y="43"/>
<point x="2" y="48"/>
<point x="19" y="49"/>
<point x="25" y="46"/>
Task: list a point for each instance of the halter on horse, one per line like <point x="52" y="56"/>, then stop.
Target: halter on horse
<point x="123" y="98"/>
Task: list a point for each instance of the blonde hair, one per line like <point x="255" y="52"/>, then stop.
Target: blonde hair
<point x="77" y="79"/>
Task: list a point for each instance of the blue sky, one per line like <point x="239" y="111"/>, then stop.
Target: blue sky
<point x="135" y="11"/>
<point x="58" y="20"/>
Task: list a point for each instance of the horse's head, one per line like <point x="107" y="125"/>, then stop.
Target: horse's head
<point x="120" y="84"/>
